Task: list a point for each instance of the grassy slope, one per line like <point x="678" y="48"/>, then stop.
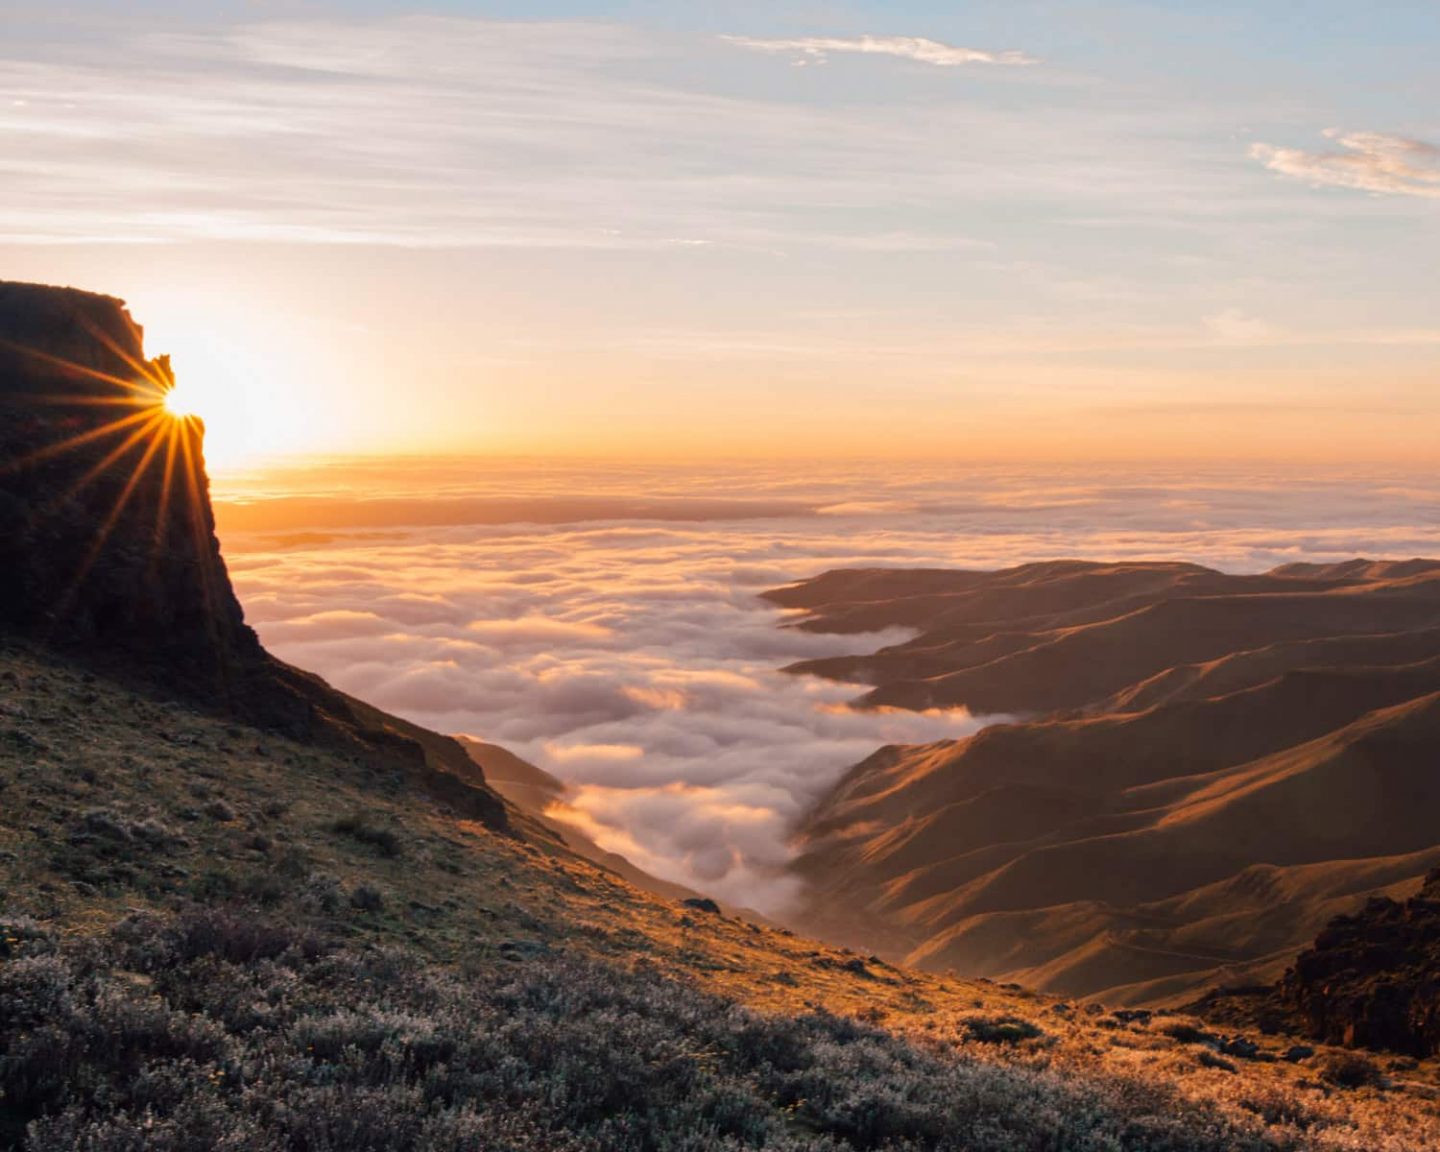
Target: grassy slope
<point x="118" y="809"/>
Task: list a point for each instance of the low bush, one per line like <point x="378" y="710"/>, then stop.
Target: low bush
<point x="358" y="827"/>
<point x="221" y="1030"/>
<point x="1001" y="1029"/>
<point x="367" y="898"/>
<point x="1185" y="1032"/>
<point x="1350" y="1070"/>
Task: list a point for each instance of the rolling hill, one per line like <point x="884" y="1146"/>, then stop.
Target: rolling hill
<point x="1191" y="772"/>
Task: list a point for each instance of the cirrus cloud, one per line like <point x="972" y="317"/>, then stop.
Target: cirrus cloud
<point x="1366" y="161"/>
<point x="817" y="49"/>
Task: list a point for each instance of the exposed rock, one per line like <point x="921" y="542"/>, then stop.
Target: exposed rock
<point x="703" y="904"/>
<point x="1372" y="980"/>
<point x="108" y="548"/>
<point x="107" y="542"/>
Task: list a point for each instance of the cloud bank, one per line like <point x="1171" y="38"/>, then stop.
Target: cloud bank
<point x="1366" y="161"/>
<point x="634" y="661"/>
<point x="817" y="49"/>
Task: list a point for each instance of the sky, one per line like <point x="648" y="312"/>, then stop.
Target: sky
<point x="1015" y="231"/>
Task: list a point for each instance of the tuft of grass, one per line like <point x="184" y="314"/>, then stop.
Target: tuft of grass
<point x="1184" y="1032"/>
<point x="367" y="898"/>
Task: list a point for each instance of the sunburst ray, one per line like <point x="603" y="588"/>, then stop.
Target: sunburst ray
<point x="60" y="447"/>
<point x="107" y="526"/>
<point x="151" y="420"/>
<point x="147" y="385"/>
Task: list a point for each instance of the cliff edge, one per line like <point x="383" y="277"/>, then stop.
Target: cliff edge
<point x="108" y="551"/>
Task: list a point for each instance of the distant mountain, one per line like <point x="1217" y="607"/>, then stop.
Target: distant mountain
<point x="1193" y="772"/>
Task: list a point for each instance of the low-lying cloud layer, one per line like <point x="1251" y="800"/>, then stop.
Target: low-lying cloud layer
<point x="635" y="661"/>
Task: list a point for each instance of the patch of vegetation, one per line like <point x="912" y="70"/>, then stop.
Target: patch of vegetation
<point x="150" y="1027"/>
<point x="1001" y="1030"/>
<point x="216" y="1029"/>
<point x="367" y="898"/>
<point x="1351" y="1070"/>
<point x="1208" y="1059"/>
<point x="1185" y="1032"/>
<point x="359" y="828"/>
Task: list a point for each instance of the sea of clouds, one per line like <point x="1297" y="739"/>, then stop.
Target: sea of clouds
<point x="618" y="640"/>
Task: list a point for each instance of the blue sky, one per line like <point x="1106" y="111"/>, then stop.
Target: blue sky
<point x="1052" y="228"/>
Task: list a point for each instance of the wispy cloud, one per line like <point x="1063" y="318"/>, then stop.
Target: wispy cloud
<point x="817" y="49"/>
<point x="1366" y="161"/>
<point x="430" y="132"/>
<point x="450" y="132"/>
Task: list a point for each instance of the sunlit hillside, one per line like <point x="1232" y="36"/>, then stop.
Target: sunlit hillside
<point x="299" y="951"/>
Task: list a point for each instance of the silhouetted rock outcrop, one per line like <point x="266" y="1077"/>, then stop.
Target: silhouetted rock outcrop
<point x="107" y="542"/>
<point x="1372" y="980"/>
<point x="108" y="549"/>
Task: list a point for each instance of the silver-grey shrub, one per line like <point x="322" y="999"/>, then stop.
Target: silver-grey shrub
<point x="214" y="1031"/>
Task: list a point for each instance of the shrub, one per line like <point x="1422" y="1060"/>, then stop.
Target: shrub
<point x="230" y="936"/>
<point x="1001" y="1030"/>
<point x="1185" y="1032"/>
<point x="1207" y="1059"/>
<point x="243" y="1038"/>
<point x="17" y="932"/>
<point x="367" y="898"/>
<point x="359" y="829"/>
<point x="320" y="894"/>
<point x="1350" y="1070"/>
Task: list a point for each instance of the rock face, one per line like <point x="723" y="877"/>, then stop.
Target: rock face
<point x="108" y="549"/>
<point x="1372" y="980"/>
<point x="107" y="542"/>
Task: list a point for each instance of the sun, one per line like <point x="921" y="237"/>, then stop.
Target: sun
<point x="177" y="404"/>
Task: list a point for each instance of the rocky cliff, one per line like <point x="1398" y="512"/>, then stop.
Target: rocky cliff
<point x="107" y="542"/>
<point x="108" y="550"/>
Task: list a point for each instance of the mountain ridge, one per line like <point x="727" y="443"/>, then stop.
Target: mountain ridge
<point x="1169" y="729"/>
